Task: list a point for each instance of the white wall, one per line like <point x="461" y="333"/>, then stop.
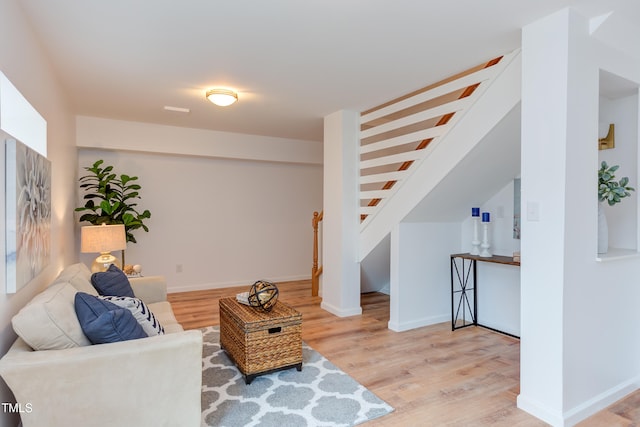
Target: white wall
<point x="420" y="280"/>
<point x="26" y="66"/>
<point x="580" y="346"/>
<point x="501" y="209"/>
<point x="222" y="222"/>
<point x="374" y="268"/>
<point x="498" y="285"/>
<point x="420" y="273"/>
<point x="119" y="135"/>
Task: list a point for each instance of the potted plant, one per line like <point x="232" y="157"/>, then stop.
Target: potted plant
<point x="612" y="192"/>
<point x="110" y="199"/>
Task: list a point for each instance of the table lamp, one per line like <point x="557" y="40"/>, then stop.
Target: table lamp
<point x="103" y="239"/>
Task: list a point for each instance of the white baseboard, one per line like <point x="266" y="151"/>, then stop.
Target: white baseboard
<point x="599" y="402"/>
<point x="245" y="283"/>
<point x="385" y="290"/>
<point x="425" y="321"/>
<point x="539" y="411"/>
<point x="581" y="412"/>
<point x="341" y="312"/>
<point x="509" y="329"/>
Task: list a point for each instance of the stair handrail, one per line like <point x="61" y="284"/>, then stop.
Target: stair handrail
<point x="316" y="270"/>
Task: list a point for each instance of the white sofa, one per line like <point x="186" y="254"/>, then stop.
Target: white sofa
<point x="154" y="381"/>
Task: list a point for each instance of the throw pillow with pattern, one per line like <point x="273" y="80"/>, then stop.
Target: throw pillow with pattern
<point x="140" y="311"/>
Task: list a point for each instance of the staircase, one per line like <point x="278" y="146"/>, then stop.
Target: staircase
<point x="409" y="145"/>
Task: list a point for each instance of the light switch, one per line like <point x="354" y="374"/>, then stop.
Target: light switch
<point x="533" y="211"/>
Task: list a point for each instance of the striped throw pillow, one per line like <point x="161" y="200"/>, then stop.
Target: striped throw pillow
<point x="140" y="311"/>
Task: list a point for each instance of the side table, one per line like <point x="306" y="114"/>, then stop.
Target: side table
<point x="464" y="288"/>
<point x="261" y="342"/>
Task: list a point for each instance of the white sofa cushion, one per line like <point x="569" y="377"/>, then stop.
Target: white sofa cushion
<point x="165" y="316"/>
<point x="79" y="276"/>
<point x="49" y="321"/>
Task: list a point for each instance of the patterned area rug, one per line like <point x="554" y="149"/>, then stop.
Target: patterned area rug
<point x="319" y="395"/>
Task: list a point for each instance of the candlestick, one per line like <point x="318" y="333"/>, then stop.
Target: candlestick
<point x="485" y="252"/>
<point x="475" y="241"/>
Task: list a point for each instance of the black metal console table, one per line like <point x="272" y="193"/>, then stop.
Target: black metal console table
<point x="464" y="290"/>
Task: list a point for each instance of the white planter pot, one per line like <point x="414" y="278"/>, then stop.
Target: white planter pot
<point x="603" y="231"/>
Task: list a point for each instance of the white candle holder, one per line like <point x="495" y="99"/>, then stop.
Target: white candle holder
<point x="475" y="242"/>
<point x="485" y="252"/>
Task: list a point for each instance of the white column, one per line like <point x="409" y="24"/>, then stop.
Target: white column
<point x="559" y="111"/>
<point x="577" y="313"/>
<point x="544" y="120"/>
<point x="341" y="226"/>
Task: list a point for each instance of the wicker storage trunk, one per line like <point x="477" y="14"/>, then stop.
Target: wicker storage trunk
<point x="261" y="342"/>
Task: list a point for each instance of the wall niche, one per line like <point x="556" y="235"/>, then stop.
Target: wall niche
<point x="619" y="106"/>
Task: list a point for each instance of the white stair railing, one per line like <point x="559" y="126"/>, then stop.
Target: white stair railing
<point x="397" y="135"/>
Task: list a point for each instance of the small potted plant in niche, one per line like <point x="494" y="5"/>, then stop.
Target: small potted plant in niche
<point x="109" y="199"/>
<point x="612" y="192"/>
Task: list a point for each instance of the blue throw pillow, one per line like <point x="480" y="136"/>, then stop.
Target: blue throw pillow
<point x="104" y="322"/>
<point x="112" y="282"/>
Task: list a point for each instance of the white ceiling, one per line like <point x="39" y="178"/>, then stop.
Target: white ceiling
<point x="292" y="61"/>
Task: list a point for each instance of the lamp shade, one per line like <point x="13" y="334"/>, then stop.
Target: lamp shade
<point x="102" y="238"/>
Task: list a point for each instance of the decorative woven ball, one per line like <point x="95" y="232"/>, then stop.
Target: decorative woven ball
<point x="263" y="295"/>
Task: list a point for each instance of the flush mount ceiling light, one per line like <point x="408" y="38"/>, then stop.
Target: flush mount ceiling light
<point x="222" y="97"/>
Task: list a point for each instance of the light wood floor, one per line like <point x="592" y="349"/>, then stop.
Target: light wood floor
<point x="431" y="376"/>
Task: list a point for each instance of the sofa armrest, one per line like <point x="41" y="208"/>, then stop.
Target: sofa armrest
<point x="153" y="381"/>
<point x="149" y="289"/>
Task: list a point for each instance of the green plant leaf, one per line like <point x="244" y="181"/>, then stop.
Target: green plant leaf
<point x="608" y="188"/>
<point x="114" y="195"/>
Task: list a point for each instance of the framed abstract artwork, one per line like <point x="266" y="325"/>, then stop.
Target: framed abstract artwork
<point x="28" y="214"/>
